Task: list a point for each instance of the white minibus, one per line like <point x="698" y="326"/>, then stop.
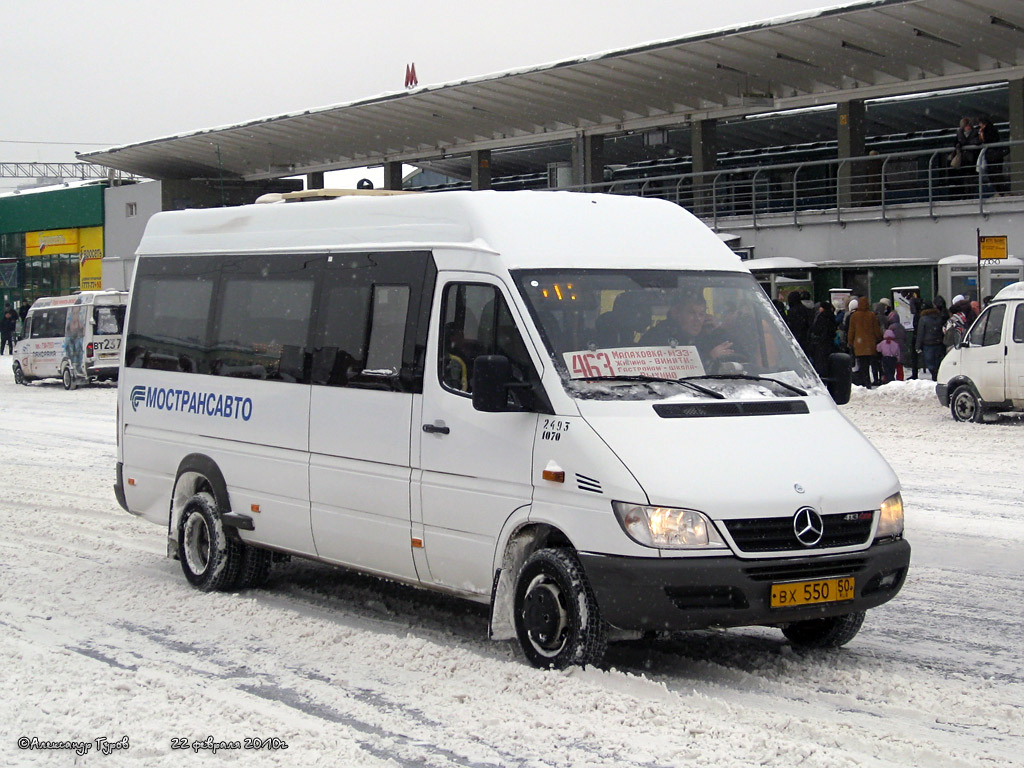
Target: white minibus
<point x="74" y="338"/>
<point x="983" y="375"/>
<point x="579" y="409"/>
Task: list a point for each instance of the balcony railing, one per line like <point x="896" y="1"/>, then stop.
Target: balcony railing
<point x="906" y="184"/>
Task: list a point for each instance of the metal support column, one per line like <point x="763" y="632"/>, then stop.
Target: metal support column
<point x="481" y="169"/>
<point x="1014" y="168"/>
<point x="704" y="149"/>
<point x="587" y="160"/>
<point x="315" y="180"/>
<point x="392" y="175"/>
<point x="850" y="136"/>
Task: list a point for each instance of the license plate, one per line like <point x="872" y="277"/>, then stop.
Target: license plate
<point x="811" y="592"/>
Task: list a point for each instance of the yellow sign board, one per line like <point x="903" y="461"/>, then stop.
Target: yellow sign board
<point x="90" y="258"/>
<point x="84" y="242"/>
<point x="51" y="241"/>
<point x="992" y="247"/>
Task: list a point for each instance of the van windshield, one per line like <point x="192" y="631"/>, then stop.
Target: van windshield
<point x="646" y="334"/>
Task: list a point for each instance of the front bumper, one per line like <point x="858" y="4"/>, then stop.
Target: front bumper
<point x="676" y="594"/>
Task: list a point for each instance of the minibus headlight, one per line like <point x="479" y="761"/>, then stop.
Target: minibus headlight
<point x="666" y="527"/>
<point x="890" y="522"/>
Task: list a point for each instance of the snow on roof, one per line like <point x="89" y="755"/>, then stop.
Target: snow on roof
<point x="530" y="229"/>
<point x="56" y="187"/>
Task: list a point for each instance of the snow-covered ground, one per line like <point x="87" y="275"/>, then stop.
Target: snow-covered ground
<point x="102" y="638"/>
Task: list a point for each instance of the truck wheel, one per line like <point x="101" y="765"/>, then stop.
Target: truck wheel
<point x="254" y="567"/>
<point x="209" y="558"/>
<point x="556" y="616"/>
<point x="67" y="378"/>
<point x="19" y="375"/>
<point x="833" y="632"/>
<point x="965" y="405"/>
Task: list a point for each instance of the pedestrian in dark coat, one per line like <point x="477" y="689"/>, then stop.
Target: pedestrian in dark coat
<point x="823" y="337"/>
<point x="929" y="339"/>
<point x="798" y="318"/>
<point x="8" y="324"/>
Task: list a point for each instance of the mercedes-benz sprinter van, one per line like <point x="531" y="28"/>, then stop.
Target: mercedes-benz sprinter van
<point x="579" y="409"/>
<point x="74" y="338"/>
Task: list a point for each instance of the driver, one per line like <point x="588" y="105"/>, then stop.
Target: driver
<point x="688" y="324"/>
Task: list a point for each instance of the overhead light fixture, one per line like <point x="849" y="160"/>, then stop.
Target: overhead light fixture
<point x="935" y="38"/>
<point x="861" y="49"/>
<point x="793" y="59"/>
<point x="1006" y="24"/>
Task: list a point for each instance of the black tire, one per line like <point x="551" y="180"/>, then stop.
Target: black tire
<point x="965" y="405"/>
<point x="833" y="632"/>
<point x="254" y="567"/>
<point x="19" y="375"/>
<point x="68" y="378"/>
<point x="556" y="616"/>
<point x="209" y="558"/>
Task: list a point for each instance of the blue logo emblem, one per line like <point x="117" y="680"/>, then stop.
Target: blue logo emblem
<point x="137" y="396"/>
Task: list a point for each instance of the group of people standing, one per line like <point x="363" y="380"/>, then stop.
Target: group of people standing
<point x="875" y="335"/>
<point x="969" y="165"/>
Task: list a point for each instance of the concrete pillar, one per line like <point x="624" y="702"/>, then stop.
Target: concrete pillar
<point x="704" y="150"/>
<point x="392" y="175"/>
<point x="481" y="169"/>
<point x="850" y="137"/>
<point x="1014" y="164"/>
<point x="315" y="180"/>
<point x="587" y="160"/>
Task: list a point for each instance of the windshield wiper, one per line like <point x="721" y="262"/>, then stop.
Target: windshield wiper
<point x="751" y="377"/>
<point x="657" y="379"/>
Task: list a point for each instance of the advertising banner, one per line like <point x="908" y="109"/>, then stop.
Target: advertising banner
<point x="52" y="241"/>
<point x="90" y="258"/>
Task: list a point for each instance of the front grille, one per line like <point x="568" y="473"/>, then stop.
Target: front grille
<point x="806" y="570"/>
<point x="775" y="534"/>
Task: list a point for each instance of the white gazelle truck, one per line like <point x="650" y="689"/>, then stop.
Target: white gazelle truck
<point x="579" y="409"/>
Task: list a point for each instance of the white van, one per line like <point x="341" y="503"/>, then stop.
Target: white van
<point x="483" y="393"/>
<point x="75" y="338"/>
<point x="984" y="374"/>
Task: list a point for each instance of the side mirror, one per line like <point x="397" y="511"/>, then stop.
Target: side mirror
<point x="491" y="377"/>
<point x="840" y="377"/>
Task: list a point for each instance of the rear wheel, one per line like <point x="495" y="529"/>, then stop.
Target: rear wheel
<point x="67" y="376"/>
<point x="556" y="616"/>
<point x="209" y="558"/>
<point x="965" y="405"/>
<point x="832" y="632"/>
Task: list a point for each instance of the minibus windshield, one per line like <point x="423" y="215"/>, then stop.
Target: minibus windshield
<point x="644" y="334"/>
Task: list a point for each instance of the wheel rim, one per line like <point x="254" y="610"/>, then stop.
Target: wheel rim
<point x="197" y="544"/>
<point x="67" y="378"/>
<point x="545" y="617"/>
<point x="965" y="406"/>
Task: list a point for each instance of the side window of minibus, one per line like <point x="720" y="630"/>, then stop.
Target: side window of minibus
<point x="1018" y="324"/>
<point x="475" y="321"/>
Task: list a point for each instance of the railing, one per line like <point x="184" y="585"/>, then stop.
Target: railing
<point x="919" y="183"/>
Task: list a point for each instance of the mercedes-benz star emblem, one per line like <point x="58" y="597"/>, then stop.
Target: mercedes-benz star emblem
<point x="808" y="526"/>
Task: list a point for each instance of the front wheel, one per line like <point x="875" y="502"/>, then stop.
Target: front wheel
<point x="832" y="632"/>
<point x="19" y="375"/>
<point x="556" y="615"/>
<point x="209" y="558"/>
<point x="965" y="405"/>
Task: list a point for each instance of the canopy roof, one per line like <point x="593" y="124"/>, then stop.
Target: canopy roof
<point x="866" y="50"/>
